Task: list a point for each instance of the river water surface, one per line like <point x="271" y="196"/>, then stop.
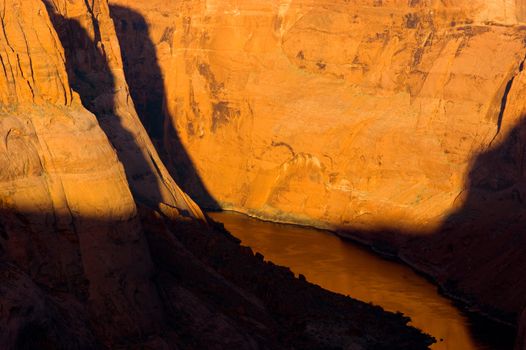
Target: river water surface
<point x="350" y="269"/>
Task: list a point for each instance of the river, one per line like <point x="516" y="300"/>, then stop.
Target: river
<point x="351" y="269"/>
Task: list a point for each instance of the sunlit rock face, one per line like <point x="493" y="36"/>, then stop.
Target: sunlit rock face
<point x="99" y="248"/>
<point x="398" y="120"/>
<point x="337" y="113"/>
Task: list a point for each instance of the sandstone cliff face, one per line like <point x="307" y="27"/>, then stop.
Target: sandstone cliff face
<point x="99" y="248"/>
<point x="320" y="111"/>
<point x="398" y="121"/>
<point x="94" y="65"/>
<point x="68" y="217"/>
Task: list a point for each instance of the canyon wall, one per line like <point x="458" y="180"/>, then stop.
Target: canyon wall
<point x="68" y="219"/>
<point x="99" y="247"/>
<point x="397" y="122"/>
<point x="360" y="113"/>
<point x="94" y="65"/>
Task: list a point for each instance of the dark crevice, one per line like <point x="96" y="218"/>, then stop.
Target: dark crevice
<point x="503" y="103"/>
<point x="504" y="100"/>
<point x="94" y="21"/>
<point x="284" y="144"/>
<point x="3" y="232"/>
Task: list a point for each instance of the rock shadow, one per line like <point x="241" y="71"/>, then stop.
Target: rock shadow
<point x="478" y="253"/>
<point x="148" y="282"/>
<point x="92" y="78"/>
<point x="147" y="88"/>
<point x="207" y="291"/>
<point x="485" y="235"/>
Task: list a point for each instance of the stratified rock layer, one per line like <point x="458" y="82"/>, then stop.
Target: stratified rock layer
<point x="399" y="122"/>
<point x="334" y="113"/>
<point x="68" y="218"/>
<point x="99" y="248"/>
<point x="94" y="65"/>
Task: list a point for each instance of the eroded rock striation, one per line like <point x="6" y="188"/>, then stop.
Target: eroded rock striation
<point x="99" y="248"/>
<point x="322" y="111"/>
<point x="94" y="65"/>
<point x="69" y="221"/>
<point x="397" y="122"/>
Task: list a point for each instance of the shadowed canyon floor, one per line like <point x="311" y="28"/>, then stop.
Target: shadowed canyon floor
<point x="349" y="269"/>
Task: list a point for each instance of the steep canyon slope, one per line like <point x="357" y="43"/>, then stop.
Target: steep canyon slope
<point x="323" y="111"/>
<point x="99" y="248"/>
<point x="399" y="122"/>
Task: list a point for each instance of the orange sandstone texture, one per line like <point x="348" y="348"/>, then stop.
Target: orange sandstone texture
<point x="400" y="121"/>
<point x="335" y="113"/>
<point x="99" y="248"/>
<point x="68" y="218"/>
<point x="93" y="61"/>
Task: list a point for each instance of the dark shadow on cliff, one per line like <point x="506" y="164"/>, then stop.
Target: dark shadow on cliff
<point x="465" y="239"/>
<point x="146" y="84"/>
<point x="90" y="76"/>
<point x="164" y="284"/>
<point x="486" y="236"/>
<point x="478" y="253"/>
<point x="151" y="282"/>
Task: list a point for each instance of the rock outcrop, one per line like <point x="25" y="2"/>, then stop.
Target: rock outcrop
<point x="94" y="66"/>
<point x="398" y="122"/>
<point x="99" y="248"/>
<point x="68" y="219"/>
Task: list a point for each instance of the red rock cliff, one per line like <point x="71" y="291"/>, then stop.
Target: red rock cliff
<point x="401" y="121"/>
<point x="69" y="221"/>
<point x="333" y="113"/>
<point x="99" y="248"/>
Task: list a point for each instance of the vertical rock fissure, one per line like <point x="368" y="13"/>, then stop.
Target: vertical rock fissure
<point x="94" y="21"/>
<point x="505" y="97"/>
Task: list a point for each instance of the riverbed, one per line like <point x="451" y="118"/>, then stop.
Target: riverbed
<point x="351" y="269"/>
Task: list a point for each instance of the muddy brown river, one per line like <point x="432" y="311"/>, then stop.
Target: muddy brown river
<point x="350" y="269"/>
